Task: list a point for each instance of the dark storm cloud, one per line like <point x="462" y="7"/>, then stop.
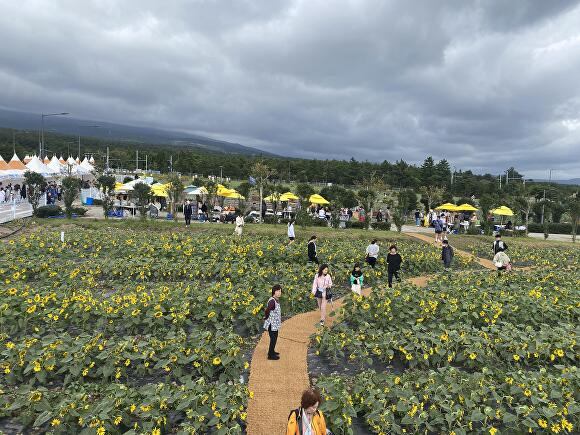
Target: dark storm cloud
<point x="485" y="84"/>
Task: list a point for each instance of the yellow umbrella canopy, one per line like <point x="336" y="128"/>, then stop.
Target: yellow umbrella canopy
<point x="317" y="199"/>
<point x="159" y="189"/>
<point x="465" y="207"/>
<point x="234" y="195"/>
<point x="503" y="211"/>
<point x="447" y="206"/>
<point x="228" y="193"/>
<point x="288" y="196"/>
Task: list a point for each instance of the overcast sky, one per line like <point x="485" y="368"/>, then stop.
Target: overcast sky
<point x="485" y="84"/>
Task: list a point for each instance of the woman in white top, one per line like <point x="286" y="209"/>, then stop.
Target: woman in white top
<point x="372" y="253"/>
<point x="291" y="235"/>
<point x="239" y="225"/>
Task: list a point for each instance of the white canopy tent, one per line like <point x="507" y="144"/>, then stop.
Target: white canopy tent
<point x="35" y="165"/>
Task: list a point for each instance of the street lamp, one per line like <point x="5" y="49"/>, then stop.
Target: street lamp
<point x="42" y="116"/>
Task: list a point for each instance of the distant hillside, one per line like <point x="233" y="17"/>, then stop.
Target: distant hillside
<point x="572" y="181"/>
<point x="120" y="132"/>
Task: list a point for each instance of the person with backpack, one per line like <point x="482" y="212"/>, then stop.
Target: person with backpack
<point x="273" y="320"/>
<point x="394" y="261"/>
<point x="438" y="226"/>
<point x="321" y="290"/>
<point x="502" y="261"/>
<point x="446" y="254"/>
<point x="312" y="254"/>
<point x="356" y="279"/>
<point x="308" y="419"/>
<point x="499" y="244"/>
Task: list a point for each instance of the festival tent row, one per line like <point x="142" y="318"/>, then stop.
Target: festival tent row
<point x="16" y="168"/>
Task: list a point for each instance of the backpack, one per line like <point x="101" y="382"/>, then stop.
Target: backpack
<point x="299" y="417"/>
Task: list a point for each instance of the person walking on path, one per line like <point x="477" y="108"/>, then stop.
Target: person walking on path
<point x="239" y="225"/>
<point x="417" y="218"/>
<point x="312" y="254"/>
<point x="321" y="290"/>
<point x="273" y="320"/>
<point x="187" y="212"/>
<point x="356" y="279"/>
<point x="446" y="254"/>
<point x="438" y="226"/>
<point x="291" y="234"/>
<point x="499" y="244"/>
<point x="308" y="419"/>
<point x="394" y="261"/>
<point x="371" y="253"/>
<point x="502" y="261"/>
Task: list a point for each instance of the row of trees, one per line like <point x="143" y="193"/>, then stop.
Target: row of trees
<point x="349" y="173"/>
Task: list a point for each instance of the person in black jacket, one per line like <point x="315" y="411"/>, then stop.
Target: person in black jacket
<point x="187" y="212"/>
<point x="312" y="254"/>
<point x="499" y="244"/>
<point x="446" y="253"/>
<point x="394" y="261"/>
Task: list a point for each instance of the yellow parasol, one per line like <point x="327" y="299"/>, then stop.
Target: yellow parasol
<point x="447" y="206"/>
<point x="317" y="199"/>
<point x="228" y="193"/>
<point x="465" y="207"/>
<point x="159" y="189"/>
<point x="288" y="196"/>
<point x="503" y="211"/>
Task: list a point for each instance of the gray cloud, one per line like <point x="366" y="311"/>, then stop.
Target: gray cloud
<point x="484" y="84"/>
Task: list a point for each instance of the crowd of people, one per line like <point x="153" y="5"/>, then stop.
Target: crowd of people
<point x="12" y="193"/>
<point x="307" y="418"/>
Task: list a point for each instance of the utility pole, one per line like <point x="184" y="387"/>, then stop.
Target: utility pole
<point x="145" y="162"/>
<point x="137" y="161"/>
<point x="107" y="164"/>
<point x="171" y="163"/>
<point x="499" y="181"/>
<point x="544" y="200"/>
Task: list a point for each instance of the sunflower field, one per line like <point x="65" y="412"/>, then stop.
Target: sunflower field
<point x="135" y="331"/>
<point x="475" y="352"/>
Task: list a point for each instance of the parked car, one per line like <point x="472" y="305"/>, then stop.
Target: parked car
<point x="252" y="217"/>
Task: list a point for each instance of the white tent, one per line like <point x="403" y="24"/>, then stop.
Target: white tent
<point x="86" y="165"/>
<point x="55" y="165"/>
<point x="92" y="160"/>
<point x="35" y="165"/>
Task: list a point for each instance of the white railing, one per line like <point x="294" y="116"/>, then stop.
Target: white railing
<point x="10" y="211"/>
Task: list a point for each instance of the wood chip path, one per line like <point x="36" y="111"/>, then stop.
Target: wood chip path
<point x="278" y="385"/>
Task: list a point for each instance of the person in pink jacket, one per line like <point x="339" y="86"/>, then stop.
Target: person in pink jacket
<point x="321" y="290"/>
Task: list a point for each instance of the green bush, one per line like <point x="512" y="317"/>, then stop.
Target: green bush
<point x="382" y="226"/>
<point x="356" y="225"/>
<point x="48" y="211"/>
<point x="79" y="211"/>
<point x="553" y="228"/>
<point x="317" y="223"/>
<point x="474" y="231"/>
